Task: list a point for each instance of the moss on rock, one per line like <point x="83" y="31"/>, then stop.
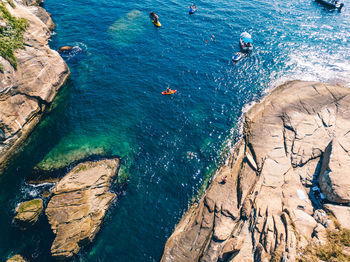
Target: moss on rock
<point x="28" y="212"/>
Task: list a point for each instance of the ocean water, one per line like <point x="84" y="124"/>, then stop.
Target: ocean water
<point x="169" y="145"/>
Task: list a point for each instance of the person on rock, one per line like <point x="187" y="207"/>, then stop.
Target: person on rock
<point x="224" y="180"/>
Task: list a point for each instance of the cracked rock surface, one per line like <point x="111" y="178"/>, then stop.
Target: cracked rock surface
<point x="26" y="92"/>
<point x="78" y="205"/>
<point x="292" y="159"/>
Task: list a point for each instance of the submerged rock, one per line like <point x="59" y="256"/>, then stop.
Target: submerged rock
<point x="78" y="205"/>
<point x="127" y="29"/>
<point x="28" y="212"/>
<point x="269" y="208"/>
<point x="16" y="258"/>
<point x="56" y="164"/>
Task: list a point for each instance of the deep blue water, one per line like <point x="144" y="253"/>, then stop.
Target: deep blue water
<point x="169" y="144"/>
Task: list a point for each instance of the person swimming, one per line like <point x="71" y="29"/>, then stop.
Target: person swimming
<point x="192" y="9"/>
<point x="154" y="17"/>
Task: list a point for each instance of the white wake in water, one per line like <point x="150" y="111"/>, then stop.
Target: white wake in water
<point x="315" y="66"/>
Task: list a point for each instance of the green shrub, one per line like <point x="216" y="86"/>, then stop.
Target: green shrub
<point x="11" y="37"/>
<point x="331" y="251"/>
<point x="2" y="68"/>
<point x="11" y="3"/>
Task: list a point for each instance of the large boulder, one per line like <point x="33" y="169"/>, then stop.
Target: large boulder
<point x="271" y="198"/>
<point x="78" y="205"/>
<point x="341" y="213"/>
<point x="27" y="213"/>
<point x="335" y="172"/>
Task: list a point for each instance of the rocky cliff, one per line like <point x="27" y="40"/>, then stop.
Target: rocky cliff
<point x="26" y="92"/>
<point x="267" y="203"/>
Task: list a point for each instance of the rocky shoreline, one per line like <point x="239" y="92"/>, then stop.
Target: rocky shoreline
<point x="269" y="202"/>
<point x="27" y="92"/>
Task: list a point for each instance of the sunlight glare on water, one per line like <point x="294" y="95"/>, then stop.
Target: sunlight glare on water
<point x="169" y="145"/>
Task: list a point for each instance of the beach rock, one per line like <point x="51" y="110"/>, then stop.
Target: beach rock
<point x="267" y="200"/>
<point x="65" y="49"/>
<point x="79" y="203"/>
<point x="16" y="258"/>
<point x="27" y="213"/>
<point x="27" y="92"/>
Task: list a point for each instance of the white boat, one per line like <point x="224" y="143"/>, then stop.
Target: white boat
<point x="332" y="4"/>
<point x="238" y="56"/>
<point x="246" y="42"/>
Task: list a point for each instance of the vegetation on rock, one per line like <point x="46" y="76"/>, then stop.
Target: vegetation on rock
<point x="333" y="250"/>
<point x="28" y="212"/>
<point x="11" y="36"/>
<point x="11" y="3"/>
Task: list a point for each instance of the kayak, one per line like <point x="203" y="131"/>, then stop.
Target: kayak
<point x="238" y="56"/>
<point x="169" y="93"/>
<point x="158" y="24"/>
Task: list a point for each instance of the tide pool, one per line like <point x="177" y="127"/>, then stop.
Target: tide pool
<point x="169" y="145"/>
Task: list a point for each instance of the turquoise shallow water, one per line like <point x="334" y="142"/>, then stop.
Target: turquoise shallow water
<point x="112" y="103"/>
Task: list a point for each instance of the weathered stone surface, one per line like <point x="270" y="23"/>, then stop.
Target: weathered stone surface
<point x="335" y="173"/>
<point x="271" y="202"/>
<point x="16" y="258"/>
<point x="341" y="213"/>
<point x="27" y="213"/>
<point x="25" y="93"/>
<point x="78" y="205"/>
<point x="321" y="217"/>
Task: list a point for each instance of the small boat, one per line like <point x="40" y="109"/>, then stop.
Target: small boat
<point x="335" y="4"/>
<point x="246" y="42"/>
<point x="166" y="92"/>
<point x="238" y="56"/>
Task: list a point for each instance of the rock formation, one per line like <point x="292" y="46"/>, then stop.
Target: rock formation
<point x="295" y="142"/>
<point x="78" y="205"/>
<point x="16" y="258"/>
<point x="26" y="93"/>
<point x="65" y="49"/>
<point x="28" y="212"/>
